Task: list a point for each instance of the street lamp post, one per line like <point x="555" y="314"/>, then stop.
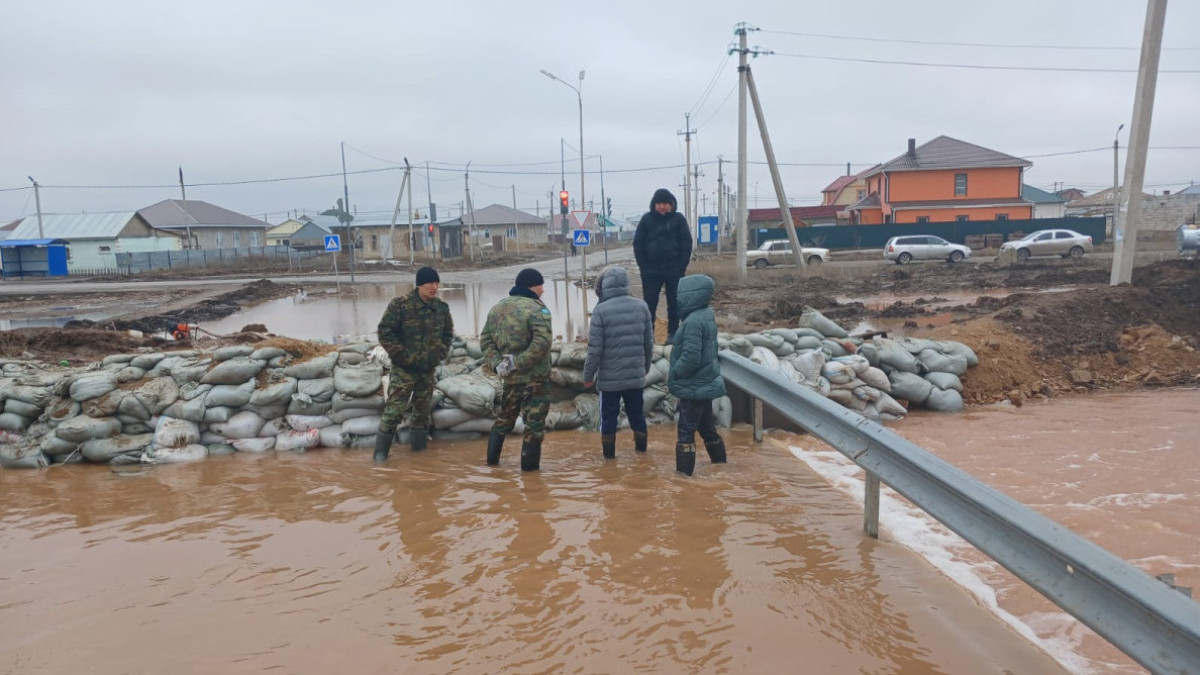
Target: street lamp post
<point x="579" y="97"/>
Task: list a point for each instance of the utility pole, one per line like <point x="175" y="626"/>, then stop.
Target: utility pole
<point x="605" y="210"/>
<point x="387" y="250"/>
<point x="412" y="238"/>
<point x="687" y="186"/>
<point x="720" y="199"/>
<point x="1126" y="226"/>
<point x="183" y="195"/>
<point x="695" y="186"/>
<point x="1116" y="193"/>
<point x="346" y="213"/>
<point x="471" y="227"/>
<point x="516" y="225"/>
<point x="37" y="200"/>
<point x="776" y="179"/>
<point x="740" y="228"/>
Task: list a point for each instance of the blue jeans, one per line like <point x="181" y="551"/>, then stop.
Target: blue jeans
<point x="610" y="407"/>
<point x="695" y="415"/>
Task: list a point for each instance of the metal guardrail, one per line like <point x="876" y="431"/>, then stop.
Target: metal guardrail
<point x="1155" y="625"/>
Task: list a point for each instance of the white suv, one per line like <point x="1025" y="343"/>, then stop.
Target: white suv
<point x="903" y="250"/>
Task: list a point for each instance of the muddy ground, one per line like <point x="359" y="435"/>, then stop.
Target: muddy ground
<point x="1041" y="329"/>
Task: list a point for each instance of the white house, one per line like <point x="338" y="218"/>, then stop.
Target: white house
<point x="95" y="239"/>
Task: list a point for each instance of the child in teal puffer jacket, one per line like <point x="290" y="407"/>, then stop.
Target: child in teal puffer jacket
<point x="695" y="374"/>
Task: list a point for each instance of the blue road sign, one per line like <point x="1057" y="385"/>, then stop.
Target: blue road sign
<point x="333" y="243"/>
<point x="583" y="238"/>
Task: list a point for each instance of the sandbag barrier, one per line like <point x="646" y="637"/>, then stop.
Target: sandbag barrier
<point x="166" y="407"/>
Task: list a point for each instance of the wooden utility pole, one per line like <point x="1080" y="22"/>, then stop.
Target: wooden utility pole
<point x="1130" y="209"/>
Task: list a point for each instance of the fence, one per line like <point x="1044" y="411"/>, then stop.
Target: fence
<point x="875" y="236"/>
<point x="1155" y="625"/>
<point x="132" y="263"/>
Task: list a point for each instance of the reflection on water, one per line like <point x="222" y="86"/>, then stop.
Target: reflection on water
<point x="319" y="562"/>
<point x="325" y="316"/>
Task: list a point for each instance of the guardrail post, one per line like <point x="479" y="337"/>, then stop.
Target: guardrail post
<point x="871" y="506"/>
<point x="758" y="425"/>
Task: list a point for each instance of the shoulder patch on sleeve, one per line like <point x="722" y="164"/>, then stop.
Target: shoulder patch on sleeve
<point x="546" y="311"/>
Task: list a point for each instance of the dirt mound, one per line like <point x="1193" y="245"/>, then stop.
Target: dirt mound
<point x="213" y="308"/>
<point x="76" y="346"/>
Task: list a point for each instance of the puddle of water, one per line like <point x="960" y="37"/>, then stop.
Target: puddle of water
<point x="327" y="316"/>
<point x="55" y="322"/>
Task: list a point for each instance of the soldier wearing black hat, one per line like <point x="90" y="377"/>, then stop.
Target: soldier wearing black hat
<point x="416" y="330"/>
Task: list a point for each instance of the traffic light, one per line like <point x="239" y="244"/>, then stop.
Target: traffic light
<point x="431" y="229"/>
<point x="564" y="198"/>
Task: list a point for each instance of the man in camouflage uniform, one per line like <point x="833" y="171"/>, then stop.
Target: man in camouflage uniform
<point x="516" y="344"/>
<point x="416" y="330"/>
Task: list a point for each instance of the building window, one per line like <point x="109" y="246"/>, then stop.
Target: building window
<point x="237" y="239"/>
<point x="922" y="219"/>
<point x="862" y="193"/>
<point x="220" y="238"/>
<point x="254" y="238"/>
<point x="960" y="185"/>
<point x="962" y="219"/>
<point x="374" y="242"/>
<point x="1001" y="216"/>
<point x="511" y="233"/>
<point x="106" y="249"/>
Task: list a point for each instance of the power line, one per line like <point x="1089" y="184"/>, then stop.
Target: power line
<point x="936" y="43"/>
<point x="711" y="83"/>
<point x="969" y="66"/>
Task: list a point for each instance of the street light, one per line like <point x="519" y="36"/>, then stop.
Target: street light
<point x="579" y="96"/>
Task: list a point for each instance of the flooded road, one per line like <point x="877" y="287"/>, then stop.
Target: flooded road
<point x="319" y="562"/>
<point x="1120" y="469"/>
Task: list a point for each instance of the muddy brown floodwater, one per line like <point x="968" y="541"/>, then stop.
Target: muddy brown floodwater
<point x="319" y="562"/>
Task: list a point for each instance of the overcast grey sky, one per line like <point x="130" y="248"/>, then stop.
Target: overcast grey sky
<point x="117" y="95"/>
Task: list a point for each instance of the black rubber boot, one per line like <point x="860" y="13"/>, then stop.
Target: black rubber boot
<point x="716" y="451"/>
<point x="417" y="439"/>
<point x="495" y="445"/>
<point x="608" y="444"/>
<point x="531" y="455"/>
<point x="383" y="445"/>
<point x="639" y="440"/>
<point x="685" y="458"/>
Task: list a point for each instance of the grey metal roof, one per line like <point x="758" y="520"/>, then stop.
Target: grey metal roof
<point x="74" y="226"/>
<point x="500" y="215"/>
<point x="1037" y="196"/>
<point x="870" y="201"/>
<point x="944" y="152"/>
<point x="181" y="213"/>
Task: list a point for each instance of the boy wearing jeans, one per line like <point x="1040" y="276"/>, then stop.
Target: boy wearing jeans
<point x="695" y="375"/>
<point x="620" y="344"/>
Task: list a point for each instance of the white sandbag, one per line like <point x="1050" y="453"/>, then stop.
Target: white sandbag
<point x="302" y="404"/>
<point x="190" y="410"/>
<point x="765" y="358"/>
<point x="119" y="359"/>
<point x="353" y="442"/>
<point x="944" y="400"/>
<point x="218" y="414"/>
<point x="274" y="394"/>
<point x="306" y="422"/>
<point x="130" y="408"/>
<point x="769" y="340"/>
<point x="741" y="346"/>
<point x="189" y="373"/>
<point x="888" y="407"/>
<point x="357" y="381"/>
<point x="136" y="428"/>
<point x="869" y="352"/>
<point x="894" y="357"/>
<point x="865" y="393"/>
<point x="789" y="371"/>
<point x="448" y="418"/>
<point x="652" y="395"/>
<point x="808" y="342"/>
<point x="572" y="355"/>
<point x="53" y="446"/>
<point x="340" y="416"/>
<point x="174" y="433"/>
<point x="267" y="353"/>
<point x="563" y="416"/>
<point x="842" y="397"/>
<point x="571" y="378"/>
<point x="659" y="368"/>
<point x="104" y="406"/>
<point x="343" y="402"/>
<point x="244" y="424"/>
<point x="809" y="364"/>
<point x="855" y="361"/>
<point x="130" y="374"/>
<point x="217" y="449"/>
<point x="262" y="444"/>
<point x="319" y="389"/>
<point x="22" y="455"/>
<point x="450" y="370"/>
<point x="951" y="347"/>
<point x="934" y="361"/>
<point x="837" y="372"/>
<point x="331" y="436"/>
<point x="588" y="406"/>
<point x="61" y="409"/>
<point x="910" y="387"/>
<point x="102" y="450"/>
<point x="836" y="348"/>
<point x="187" y="453"/>
<point x="915" y="346"/>
<point x="146" y="361"/>
<point x="350" y="359"/>
<point x="875" y="377"/>
<point x="22" y="408"/>
<point x="231" y="395"/>
<point x="723" y="412"/>
<point x="232" y="352"/>
<point x="83" y="428"/>
<point x="313" y="369"/>
<point x="472" y="392"/>
<point x="479" y="424"/>
<point x="811" y="318"/>
<point x="209" y="437"/>
<point x="788" y="334"/>
<point x="91" y="385"/>
<point x="945" y="381"/>
<point x="297" y="440"/>
<point x="194" y="390"/>
<point x="361" y="426"/>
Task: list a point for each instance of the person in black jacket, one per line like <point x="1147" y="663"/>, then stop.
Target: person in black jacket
<point x="662" y="245"/>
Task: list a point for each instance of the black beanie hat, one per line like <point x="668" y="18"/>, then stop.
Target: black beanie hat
<point x="427" y="275"/>
<point x="529" y="277"/>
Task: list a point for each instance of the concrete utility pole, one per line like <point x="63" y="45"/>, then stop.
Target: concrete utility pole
<point x="687" y="174"/>
<point x="346" y="213"/>
<point x="37" y="200"/>
<point x="471" y="228"/>
<point x="740" y="227"/>
<point x="605" y="210"/>
<point x="516" y="225"/>
<point x="1116" y="193"/>
<point x="1130" y="209"/>
<point x="183" y="195"/>
<point x="386" y="251"/>
<point x="720" y="199"/>
<point x="786" y="212"/>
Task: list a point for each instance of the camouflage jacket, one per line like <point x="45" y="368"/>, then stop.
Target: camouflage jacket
<point x="415" y="333"/>
<point x="520" y="326"/>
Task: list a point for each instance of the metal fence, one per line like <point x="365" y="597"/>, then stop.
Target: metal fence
<point x="1156" y="626"/>
<point x="132" y="263"/>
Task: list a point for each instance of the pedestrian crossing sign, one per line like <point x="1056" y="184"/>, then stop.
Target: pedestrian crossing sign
<point x="333" y="243"/>
<point x="582" y="238"/>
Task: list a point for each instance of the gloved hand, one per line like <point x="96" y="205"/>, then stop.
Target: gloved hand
<point x="505" y="366"/>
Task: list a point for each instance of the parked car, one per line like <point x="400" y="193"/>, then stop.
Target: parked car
<point x="1065" y="243"/>
<point x="779" y="252"/>
<point x="903" y="250"/>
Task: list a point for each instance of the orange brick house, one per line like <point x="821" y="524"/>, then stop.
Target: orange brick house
<point x="943" y="180"/>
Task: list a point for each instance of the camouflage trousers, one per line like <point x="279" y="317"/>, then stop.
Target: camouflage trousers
<point x="531" y="400"/>
<point x="411" y="392"/>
